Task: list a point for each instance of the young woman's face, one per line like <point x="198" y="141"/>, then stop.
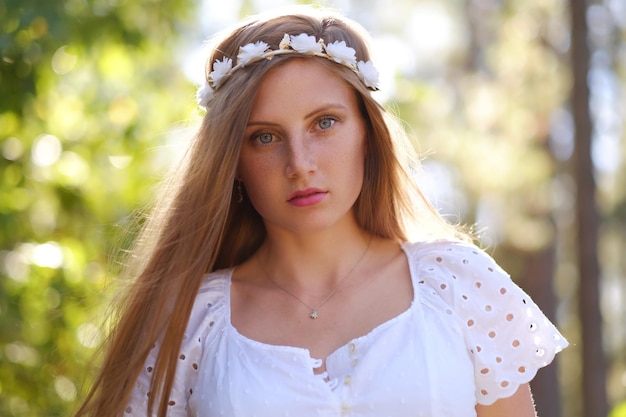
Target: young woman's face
<point x="302" y="157"/>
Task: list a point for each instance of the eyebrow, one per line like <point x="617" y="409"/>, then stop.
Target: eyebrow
<point x="324" y="107"/>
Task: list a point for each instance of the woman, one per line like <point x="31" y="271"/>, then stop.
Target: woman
<point x="278" y="278"/>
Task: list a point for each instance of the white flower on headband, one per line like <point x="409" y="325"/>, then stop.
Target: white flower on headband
<point x="305" y="44"/>
<point x="368" y="73"/>
<point x="220" y="69"/>
<point x="296" y="44"/>
<point x="251" y="51"/>
<point x="341" y="53"/>
<point x="285" y="42"/>
<point x="203" y="95"/>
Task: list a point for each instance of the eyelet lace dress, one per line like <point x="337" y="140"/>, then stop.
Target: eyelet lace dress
<point x="470" y="336"/>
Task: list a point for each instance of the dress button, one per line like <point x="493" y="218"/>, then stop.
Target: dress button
<point x="354" y="363"/>
<point x="345" y="408"/>
<point x="347" y="380"/>
<point x="352" y="348"/>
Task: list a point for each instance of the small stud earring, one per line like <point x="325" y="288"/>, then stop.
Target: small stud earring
<point x="239" y="192"/>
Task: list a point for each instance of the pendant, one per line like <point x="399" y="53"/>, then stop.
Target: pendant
<point x="313" y="314"/>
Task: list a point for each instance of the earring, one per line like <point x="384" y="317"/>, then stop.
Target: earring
<point x="240" y="192"/>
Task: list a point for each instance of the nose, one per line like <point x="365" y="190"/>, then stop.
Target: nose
<point x="301" y="158"/>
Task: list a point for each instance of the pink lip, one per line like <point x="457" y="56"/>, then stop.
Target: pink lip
<point x="308" y="197"/>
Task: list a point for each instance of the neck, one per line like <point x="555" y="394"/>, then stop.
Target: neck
<point x="314" y="263"/>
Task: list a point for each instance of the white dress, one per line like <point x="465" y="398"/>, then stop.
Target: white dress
<point x="470" y="336"/>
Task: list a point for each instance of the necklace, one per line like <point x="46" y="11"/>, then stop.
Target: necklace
<point x="314" y="310"/>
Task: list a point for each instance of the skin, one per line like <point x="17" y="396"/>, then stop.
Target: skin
<point x="309" y="135"/>
<point x="303" y="136"/>
<point x="519" y="404"/>
<point x="306" y="133"/>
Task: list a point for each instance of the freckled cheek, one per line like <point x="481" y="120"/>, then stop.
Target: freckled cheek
<point x="259" y="178"/>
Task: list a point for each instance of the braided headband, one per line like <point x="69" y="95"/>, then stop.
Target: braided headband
<point x="303" y="44"/>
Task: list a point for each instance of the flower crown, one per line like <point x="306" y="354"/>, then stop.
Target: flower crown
<point x="303" y="44"/>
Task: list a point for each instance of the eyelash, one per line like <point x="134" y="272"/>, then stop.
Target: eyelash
<point x="257" y="135"/>
<point x="333" y="119"/>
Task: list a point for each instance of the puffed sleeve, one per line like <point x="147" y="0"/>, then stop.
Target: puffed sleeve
<point x="507" y="336"/>
<point x="202" y="320"/>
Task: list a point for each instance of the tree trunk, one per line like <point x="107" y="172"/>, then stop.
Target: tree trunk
<point x="534" y="272"/>
<point x="537" y="281"/>
<point x="593" y="361"/>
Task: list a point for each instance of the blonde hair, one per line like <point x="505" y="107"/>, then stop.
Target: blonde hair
<point x="199" y="227"/>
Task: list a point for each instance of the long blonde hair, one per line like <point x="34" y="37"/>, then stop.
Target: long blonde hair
<point x="198" y="226"/>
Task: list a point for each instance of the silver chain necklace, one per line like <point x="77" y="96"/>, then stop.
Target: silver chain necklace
<point x="314" y="310"/>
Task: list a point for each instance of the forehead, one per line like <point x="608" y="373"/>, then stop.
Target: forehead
<point x="300" y="84"/>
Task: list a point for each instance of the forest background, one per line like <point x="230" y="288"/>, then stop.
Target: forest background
<point x="519" y="106"/>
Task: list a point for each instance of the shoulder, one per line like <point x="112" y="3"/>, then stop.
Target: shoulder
<point x="458" y="273"/>
<point x="207" y="314"/>
<point x="450" y="255"/>
<point x="506" y="334"/>
<point x="210" y="303"/>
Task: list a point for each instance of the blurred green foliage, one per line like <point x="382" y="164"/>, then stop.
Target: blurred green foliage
<point x="94" y="106"/>
<point x="619" y="410"/>
<point x="87" y="89"/>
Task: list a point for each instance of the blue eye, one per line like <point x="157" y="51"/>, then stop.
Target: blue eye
<point x="264" y="138"/>
<point x="326" y="123"/>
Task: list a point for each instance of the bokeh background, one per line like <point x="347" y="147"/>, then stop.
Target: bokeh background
<point x="519" y="107"/>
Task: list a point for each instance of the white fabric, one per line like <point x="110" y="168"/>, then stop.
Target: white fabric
<point x="470" y="336"/>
